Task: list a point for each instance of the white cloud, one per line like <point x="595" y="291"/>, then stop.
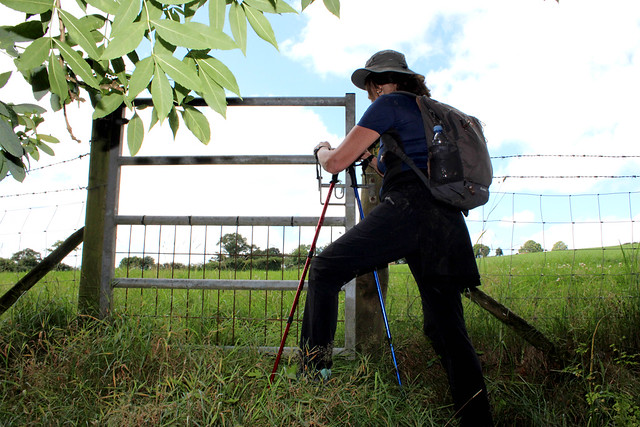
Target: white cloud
<point x="230" y="190"/>
<point x="544" y="77"/>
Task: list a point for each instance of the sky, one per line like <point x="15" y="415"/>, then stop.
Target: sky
<point x="555" y="85"/>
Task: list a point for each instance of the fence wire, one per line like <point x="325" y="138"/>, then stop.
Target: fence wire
<point x="273" y="253"/>
<point x="588" y="261"/>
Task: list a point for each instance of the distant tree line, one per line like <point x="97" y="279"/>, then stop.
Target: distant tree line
<point x="235" y="254"/>
<point x="530" y="246"/>
<point x="27" y="259"/>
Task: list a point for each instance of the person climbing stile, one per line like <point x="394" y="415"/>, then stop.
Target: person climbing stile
<point x="408" y="223"/>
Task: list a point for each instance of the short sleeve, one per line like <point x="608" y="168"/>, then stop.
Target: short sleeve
<point x="379" y="116"/>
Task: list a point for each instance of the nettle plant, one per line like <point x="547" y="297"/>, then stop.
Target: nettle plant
<point x="114" y="51"/>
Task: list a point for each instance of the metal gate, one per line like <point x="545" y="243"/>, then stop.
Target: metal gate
<point x="201" y="282"/>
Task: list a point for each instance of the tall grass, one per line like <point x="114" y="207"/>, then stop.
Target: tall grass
<point x="145" y="367"/>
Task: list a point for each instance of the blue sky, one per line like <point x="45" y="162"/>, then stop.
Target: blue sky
<point x="545" y="79"/>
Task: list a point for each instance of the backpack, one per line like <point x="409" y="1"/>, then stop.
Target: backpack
<point x="464" y="132"/>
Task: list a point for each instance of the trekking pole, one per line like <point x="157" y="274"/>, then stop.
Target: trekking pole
<point x="354" y="183"/>
<point x="334" y="180"/>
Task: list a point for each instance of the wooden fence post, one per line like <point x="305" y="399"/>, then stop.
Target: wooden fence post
<point x="94" y="295"/>
<point x="370" y="331"/>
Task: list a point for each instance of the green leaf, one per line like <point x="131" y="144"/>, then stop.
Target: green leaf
<point x="56" y="102"/>
<point x="179" y="93"/>
<point x="6" y="110"/>
<point x="178" y="71"/>
<point x="213" y="95"/>
<point x="93" y="22"/>
<point x="197" y="123"/>
<point x="126" y="13"/>
<point x="28" y="109"/>
<point x="217" y="9"/>
<point x="28" y="31"/>
<point x="141" y="77"/>
<point x="44" y="147"/>
<point x="263" y="5"/>
<point x="333" y="6"/>
<point x="39" y="81"/>
<point x="151" y="11"/>
<point x="283" y="7"/>
<point x="219" y="72"/>
<point x="161" y="93"/>
<point x="47" y="138"/>
<point x="161" y="46"/>
<point x="4" y="169"/>
<point x="238" y="23"/>
<point x="26" y="122"/>
<point x="108" y="104"/>
<point x="125" y="43"/>
<point x="57" y="78"/>
<point x="190" y="8"/>
<point x="175" y="2"/>
<point x="80" y="32"/>
<point x="83" y="5"/>
<point x="260" y="25"/>
<point x="306" y="3"/>
<point x="33" y="151"/>
<point x="77" y="64"/>
<point x="154" y="118"/>
<point x="29" y="6"/>
<point x="135" y="134"/>
<point x="9" y="141"/>
<point x="174" y="122"/>
<point x="4" y="78"/>
<point x="16" y="170"/>
<point x="34" y="55"/>
<point x="192" y="35"/>
<point x="7" y="41"/>
<point x="117" y="64"/>
<point x="109" y="6"/>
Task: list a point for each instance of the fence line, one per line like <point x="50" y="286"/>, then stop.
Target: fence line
<point x="601" y="224"/>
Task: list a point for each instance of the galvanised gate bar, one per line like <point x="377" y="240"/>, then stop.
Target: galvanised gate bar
<point x="220" y="301"/>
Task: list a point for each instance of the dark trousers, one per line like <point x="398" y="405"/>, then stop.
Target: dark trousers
<point x="435" y="242"/>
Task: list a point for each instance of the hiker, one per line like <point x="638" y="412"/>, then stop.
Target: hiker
<point x="408" y="223"/>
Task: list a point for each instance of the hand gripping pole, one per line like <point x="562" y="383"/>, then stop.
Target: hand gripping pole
<point x="334" y="180"/>
<point x="354" y="183"/>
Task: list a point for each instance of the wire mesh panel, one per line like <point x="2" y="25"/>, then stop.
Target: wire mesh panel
<point x="227" y="283"/>
<point x="574" y="256"/>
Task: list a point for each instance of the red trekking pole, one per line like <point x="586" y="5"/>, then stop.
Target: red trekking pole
<point x="334" y="180"/>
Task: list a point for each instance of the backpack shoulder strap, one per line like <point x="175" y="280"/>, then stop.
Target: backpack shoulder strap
<point x="392" y="145"/>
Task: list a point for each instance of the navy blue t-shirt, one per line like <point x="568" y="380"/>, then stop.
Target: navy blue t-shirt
<point x="398" y="112"/>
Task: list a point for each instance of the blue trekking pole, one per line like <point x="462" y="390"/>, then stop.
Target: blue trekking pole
<point x="354" y="183"/>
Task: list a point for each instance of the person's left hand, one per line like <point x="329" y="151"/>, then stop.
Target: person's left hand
<point x="322" y="144"/>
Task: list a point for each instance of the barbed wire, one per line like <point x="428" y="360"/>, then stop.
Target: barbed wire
<point x="58" y="163"/>
<point x="497" y="178"/>
<point x="511" y="156"/>
<point x="34" y="193"/>
<point x="505" y="177"/>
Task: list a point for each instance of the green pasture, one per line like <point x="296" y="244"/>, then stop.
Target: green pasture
<point x="164" y="357"/>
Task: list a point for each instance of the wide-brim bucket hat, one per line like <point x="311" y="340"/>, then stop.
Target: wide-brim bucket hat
<point x="381" y="62"/>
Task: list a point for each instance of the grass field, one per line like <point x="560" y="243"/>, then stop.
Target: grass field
<point x="162" y="360"/>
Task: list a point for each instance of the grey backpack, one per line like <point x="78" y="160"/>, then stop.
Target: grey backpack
<point x="465" y="134"/>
